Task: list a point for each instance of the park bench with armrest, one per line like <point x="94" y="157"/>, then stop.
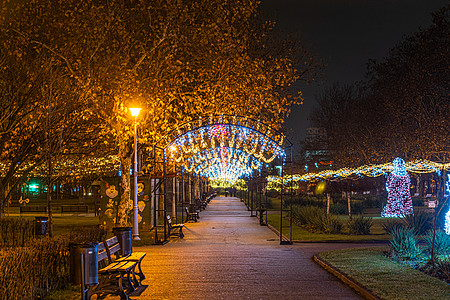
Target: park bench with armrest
<point x="114" y="277"/>
<point x="191" y="216"/>
<point x="175" y="230"/>
<point x="199" y="204"/>
<point x="112" y="246"/>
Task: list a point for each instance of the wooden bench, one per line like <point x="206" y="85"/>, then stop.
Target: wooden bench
<point x="201" y="204"/>
<point x="191" y="216"/>
<point x="114" y="277"/>
<point x="112" y="245"/>
<point x="30" y="208"/>
<point x="175" y="230"/>
<point x="74" y="209"/>
<point x="119" y="275"/>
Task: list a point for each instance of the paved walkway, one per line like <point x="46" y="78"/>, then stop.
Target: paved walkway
<point x="228" y="255"/>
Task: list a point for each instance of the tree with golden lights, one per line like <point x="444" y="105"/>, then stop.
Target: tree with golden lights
<point x="177" y="60"/>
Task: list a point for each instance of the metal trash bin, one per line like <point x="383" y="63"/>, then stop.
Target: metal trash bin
<point x="90" y="267"/>
<point x="41" y="226"/>
<point x="123" y="234"/>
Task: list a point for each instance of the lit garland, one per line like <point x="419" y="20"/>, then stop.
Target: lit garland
<point x="64" y="166"/>
<point x="417" y="166"/>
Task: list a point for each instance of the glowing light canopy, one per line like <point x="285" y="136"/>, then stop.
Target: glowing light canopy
<point x="224" y="147"/>
<point x="224" y="162"/>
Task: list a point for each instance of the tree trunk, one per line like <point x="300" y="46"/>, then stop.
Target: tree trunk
<point x="349" y="205"/>
<point x="49" y="197"/>
<point x="2" y="200"/>
<point x="328" y="203"/>
<point x="125" y="203"/>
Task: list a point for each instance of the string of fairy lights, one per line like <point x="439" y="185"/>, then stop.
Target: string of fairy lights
<point x="66" y="166"/>
<point x="224" y="151"/>
<point x="218" y="147"/>
<point x="417" y="166"/>
<point x="223" y="162"/>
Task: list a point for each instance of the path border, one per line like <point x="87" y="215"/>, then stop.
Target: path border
<point x="346" y="280"/>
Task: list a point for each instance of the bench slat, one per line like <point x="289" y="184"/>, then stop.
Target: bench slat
<point x="135" y="256"/>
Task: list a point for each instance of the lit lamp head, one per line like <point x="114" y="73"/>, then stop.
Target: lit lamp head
<point x="135" y="111"/>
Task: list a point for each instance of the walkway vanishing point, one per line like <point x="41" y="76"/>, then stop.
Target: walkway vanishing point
<point x="228" y="255"/>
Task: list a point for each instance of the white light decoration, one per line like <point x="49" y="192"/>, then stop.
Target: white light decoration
<point x="398" y="185"/>
<point x="225" y="163"/>
<point x="226" y="151"/>
<point x="447" y="215"/>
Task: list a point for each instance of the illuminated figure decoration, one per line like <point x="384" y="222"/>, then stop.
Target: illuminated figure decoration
<point x="447" y="215"/>
<point x="398" y="185"/>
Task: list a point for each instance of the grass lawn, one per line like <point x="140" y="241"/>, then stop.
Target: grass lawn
<point x="301" y="234"/>
<point x="384" y="277"/>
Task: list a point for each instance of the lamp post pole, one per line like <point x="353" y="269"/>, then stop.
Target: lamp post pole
<point x="135" y="113"/>
<point x="135" y="200"/>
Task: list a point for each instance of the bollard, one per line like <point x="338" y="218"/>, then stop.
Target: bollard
<point x="261" y="216"/>
<point x="123" y="234"/>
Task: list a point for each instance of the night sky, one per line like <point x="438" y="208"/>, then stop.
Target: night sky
<point x="345" y="34"/>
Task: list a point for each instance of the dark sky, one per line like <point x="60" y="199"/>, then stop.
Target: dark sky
<point x="345" y="34"/>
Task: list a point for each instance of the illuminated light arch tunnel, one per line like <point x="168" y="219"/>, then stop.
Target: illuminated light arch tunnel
<point x="225" y="148"/>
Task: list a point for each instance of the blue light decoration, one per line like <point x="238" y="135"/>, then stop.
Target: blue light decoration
<point x="398" y="185"/>
<point x="447" y="215"/>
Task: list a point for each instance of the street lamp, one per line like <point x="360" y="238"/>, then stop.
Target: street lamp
<point x="135" y="114"/>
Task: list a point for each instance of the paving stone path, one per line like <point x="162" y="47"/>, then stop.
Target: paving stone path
<point x="228" y="255"/>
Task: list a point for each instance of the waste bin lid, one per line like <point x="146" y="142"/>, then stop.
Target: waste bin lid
<point x="121" y="228"/>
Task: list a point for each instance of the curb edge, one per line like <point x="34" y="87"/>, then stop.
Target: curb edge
<point x="354" y="285"/>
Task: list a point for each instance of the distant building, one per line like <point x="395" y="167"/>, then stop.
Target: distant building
<point x="317" y="155"/>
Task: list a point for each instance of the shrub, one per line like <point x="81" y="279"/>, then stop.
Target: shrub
<point x="331" y="224"/>
<point x="316" y="219"/>
<point x="359" y="225"/>
<point x="421" y="222"/>
<point x="441" y="243"/>
<point x="42" y="265"/>
<point x="305" y="214"/>
<point x="87" y="234"/>
<point x="16" y="231"/>
<point x="443" y="267"/>
<point x="403" y="244"/>
<point x="341" y="208"/>
<point x="390" y="224"/>
<point x="30" y="272"/>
